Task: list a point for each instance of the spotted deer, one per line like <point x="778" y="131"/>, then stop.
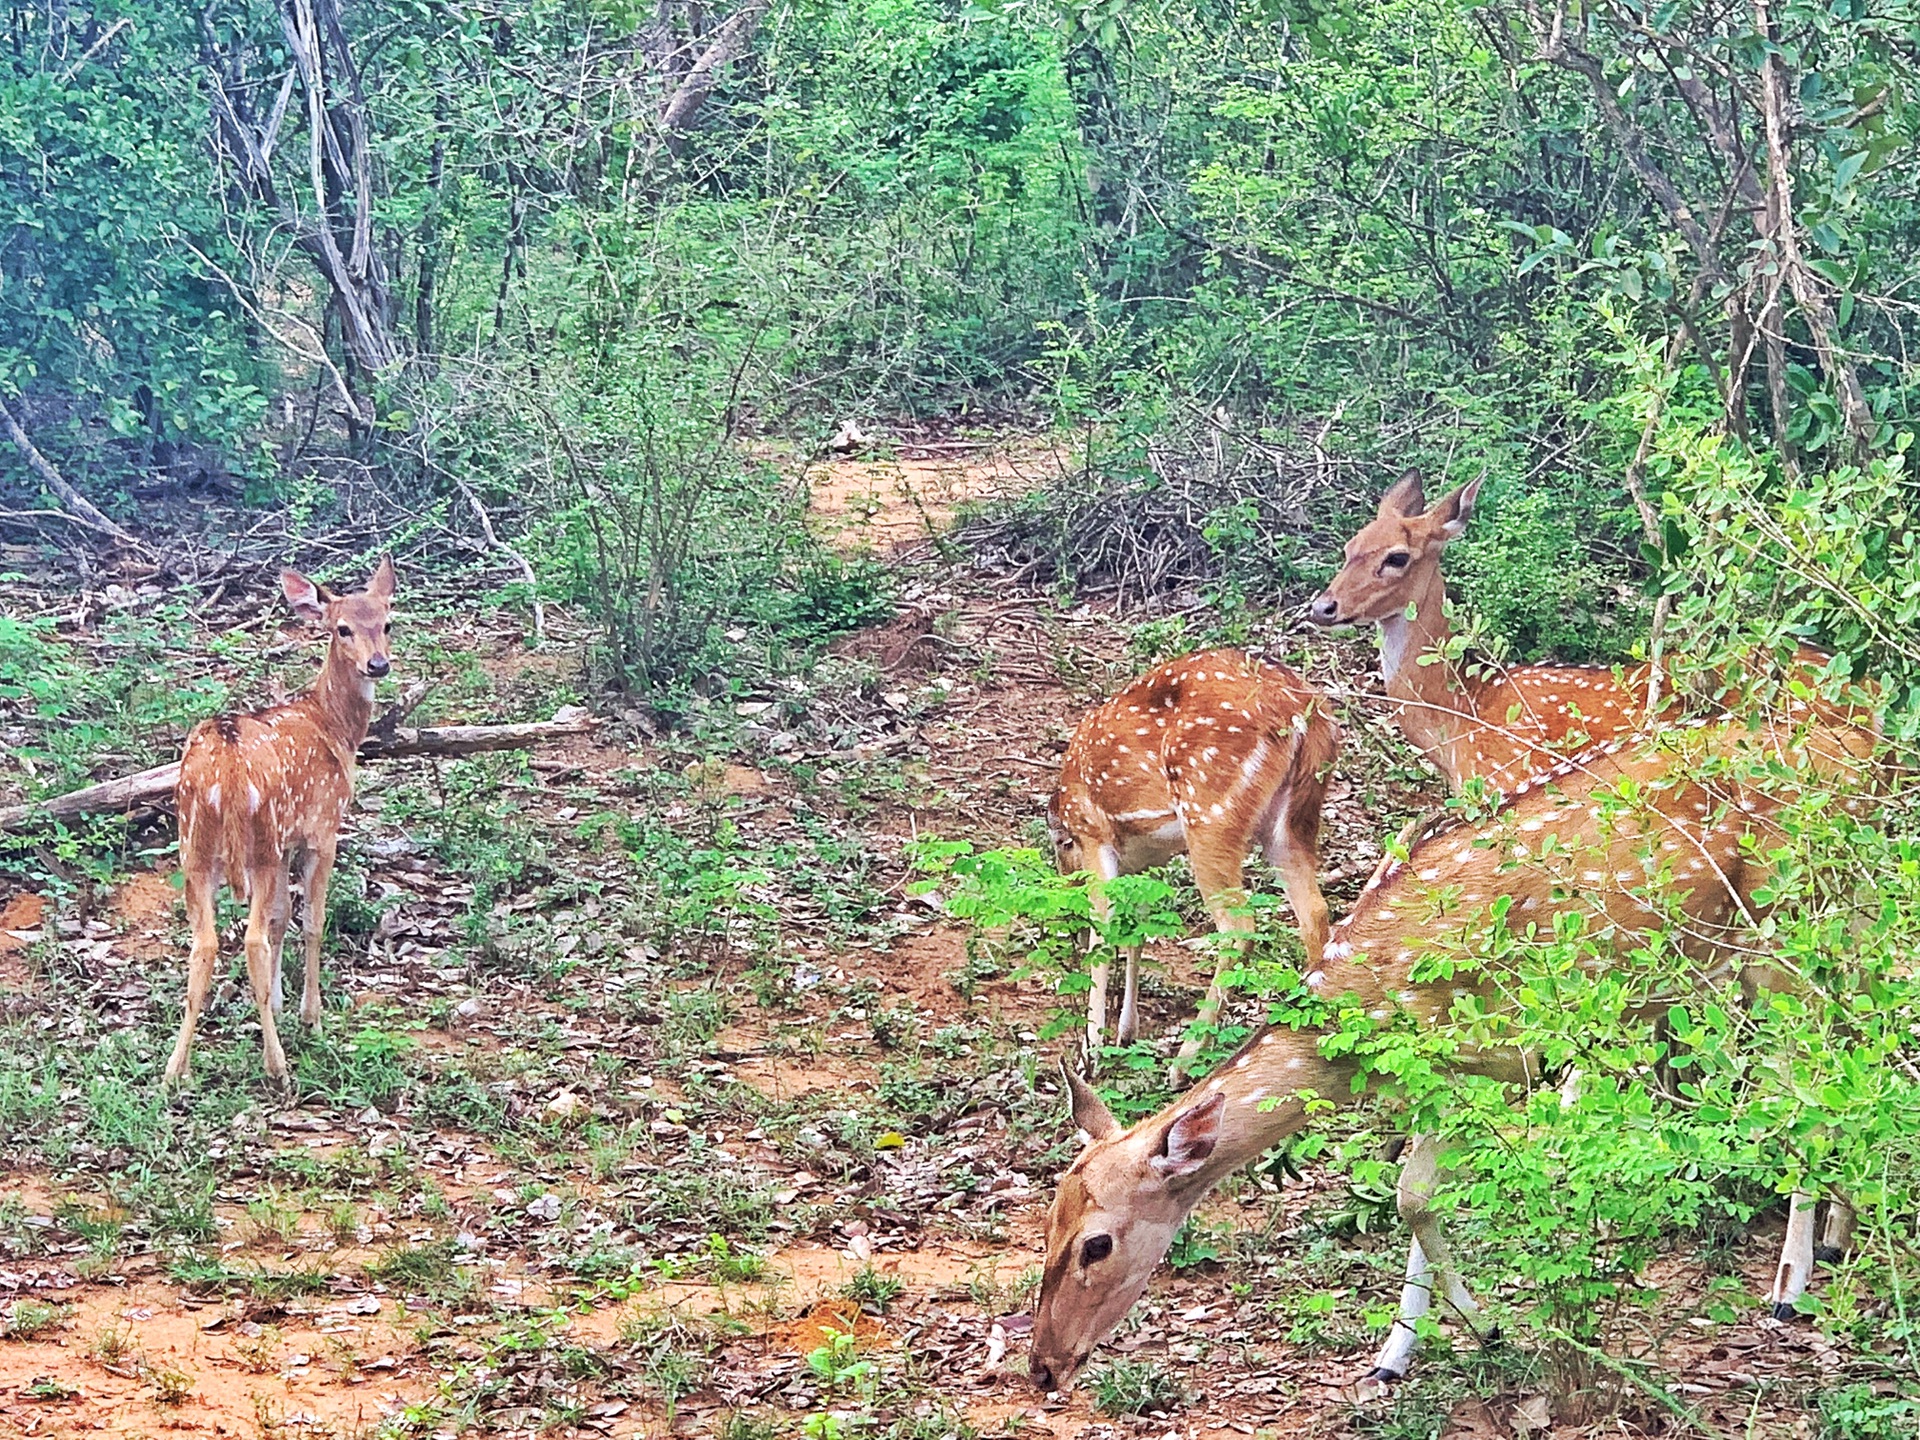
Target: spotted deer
<point x="1623" y="835"/>
<point x="262" y="792"/>
<point x="1496" y="727"/>
<point x="1212" y="754"/>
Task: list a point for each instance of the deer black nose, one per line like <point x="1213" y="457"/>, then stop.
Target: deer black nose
<point x="378" y="665"/>
<point x="1325" y="609"/>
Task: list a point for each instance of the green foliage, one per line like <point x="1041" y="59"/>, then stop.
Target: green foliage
<point x="1135" y="1387"/>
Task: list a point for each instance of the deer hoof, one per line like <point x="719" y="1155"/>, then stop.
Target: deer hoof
<point x="1785" y="1310"/>
<point x="1829" y="1254"/>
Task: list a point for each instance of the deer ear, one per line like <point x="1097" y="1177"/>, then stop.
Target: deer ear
<point x="308" y="600"/>
<point x="1090" y="1112"/>
<point x="1405" y="498"/>
<point x="381" y="585"/>
<point x="1453" y="511"/>
<point x="1190" y="1138"/>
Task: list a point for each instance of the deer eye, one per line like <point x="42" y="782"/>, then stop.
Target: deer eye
<point x="1396" y="560"/>
<point x="387" y="628"/>
<point x="1096" y="1249"/>
<point x="346" y="632"/>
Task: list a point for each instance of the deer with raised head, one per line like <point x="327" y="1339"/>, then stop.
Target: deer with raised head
<point x="1497" y="728"/>
<point x="1210" y="755"/>
<point x="264" y="792"/>
<point x="1682" y="851"/>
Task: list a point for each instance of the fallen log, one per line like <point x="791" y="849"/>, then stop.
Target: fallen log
<point x="150" y="787"/>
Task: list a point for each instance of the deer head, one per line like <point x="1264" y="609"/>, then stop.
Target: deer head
<point x="361" y="624"/>
<point x="1395" y="559"/>
<point x="1116" y="1213"/>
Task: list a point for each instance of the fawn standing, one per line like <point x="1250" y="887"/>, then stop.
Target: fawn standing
<point x="1618" y="840"/>
<point x="1212" y="754"/>
<point x="262" y="792"/>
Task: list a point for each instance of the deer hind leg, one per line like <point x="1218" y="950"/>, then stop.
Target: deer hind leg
<point x="277" y="919"/>
<point x="313" y="927"/>
<point x="1795" y="1269"/>
<point x="1293" y="848"/>
<point x="200" y="962"/>
<point x="1128" y="1030"/>
<point x="1429" y="1265"/>
<point x="260" y="966"/>
<point x="1218" y="876"/>
<point x="1836" y="1236"/>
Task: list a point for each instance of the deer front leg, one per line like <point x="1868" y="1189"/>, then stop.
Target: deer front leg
<point x="260" y="969"/>
<point x="200" y="962"/>
<point x="1106" y="867"/>
<point x="313" y="928"/>
<point x="1429" y="1265"/>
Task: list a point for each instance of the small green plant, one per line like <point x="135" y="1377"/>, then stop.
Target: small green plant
<point x="1198" y="1243"/>
<point x="726" y="1261"/>
<point x="875" y="1289"/>
<point x="1135" y="1387"/>
<point x="112" y="1346"/>
<point x="838" y="1366"/>
<point x="1860" y="1412"/>
<point x="48" y="1390"/>
<point x="171" y="1386"/>
<point x="30" y="1319"/>
<point x="259" y="1352"/>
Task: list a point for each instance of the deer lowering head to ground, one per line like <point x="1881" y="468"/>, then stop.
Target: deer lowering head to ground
<point x="1212" y="755"/>
<point x="1621" y="835"/>
<point x="1496" y="727"/>
<point x="261" y="793"/>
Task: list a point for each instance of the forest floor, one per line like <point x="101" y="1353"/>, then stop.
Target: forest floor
<point x="654" y="1098"/>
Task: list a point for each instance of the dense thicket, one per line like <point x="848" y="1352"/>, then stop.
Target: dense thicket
<point x="483" y="247"/>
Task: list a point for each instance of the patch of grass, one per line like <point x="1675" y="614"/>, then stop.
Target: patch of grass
<point x="259" y="1353"/>
<point x="874" y="1289"/>
<point x="30" y="1319"/>
<point x="213" y="1277"/>
<point x="1135" y="1387"/>
<point x="273" y="1219"/>
<point x="368" y="1064"/>
<point x="427" y="1269"/>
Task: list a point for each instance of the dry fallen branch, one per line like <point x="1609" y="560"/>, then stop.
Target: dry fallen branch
<point x="78" y="506"/>
<point x="151" y="787"/>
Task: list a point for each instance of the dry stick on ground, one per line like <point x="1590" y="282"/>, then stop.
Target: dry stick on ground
<point x="150" y="787"/>
<point x="80" y="508"/>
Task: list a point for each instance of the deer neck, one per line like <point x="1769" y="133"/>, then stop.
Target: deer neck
<point x="1262" y="1085"/>
<point x="1433" y="697"/>
<point x="341" y="703"/>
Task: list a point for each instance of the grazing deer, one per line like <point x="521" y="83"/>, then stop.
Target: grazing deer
<point x="1565" y="842"/>
<point x="262" y="792"/>
<point x="1211" y="754"/>
<point x="1497" y="728"/>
